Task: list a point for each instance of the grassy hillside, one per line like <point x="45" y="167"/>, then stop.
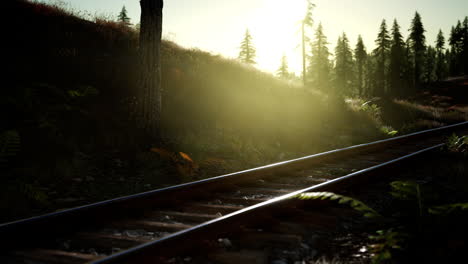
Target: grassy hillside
<point x="65" y="108"/>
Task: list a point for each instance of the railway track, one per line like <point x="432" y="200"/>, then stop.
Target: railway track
<point x="156" y="226"/>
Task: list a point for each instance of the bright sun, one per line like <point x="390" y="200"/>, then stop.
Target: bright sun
<point x="275" y="28"/>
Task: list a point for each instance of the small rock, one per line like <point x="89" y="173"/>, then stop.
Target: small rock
<point x="77" y="179"/>
<point x="187" y="259"/>
<point x="225" y="242"/>
<point x="92" y="251"/>
<point x="66" y="244"/>
<point x="89" y="178"/>
<point x="279" y="261"/>
<point x="305" y="246"/>
<point x="131" y="233"/>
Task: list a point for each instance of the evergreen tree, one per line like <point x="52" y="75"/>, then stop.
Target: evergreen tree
<point x="343" y="66"/>
<point x="307" y="22"/>
<point x="397" y="53"/>
<point x="247" y="52"/>
<point x="283" y="71"/>
<point x="408" y="69"/>
<point x="430" y="67"/>
<point x="319" y="66"/>
<point x="123" y="17"/>
<point x="370" y="76"/>
<point x="440" y="68"/>
<point x="456" y="49"/>
<point x="360" y="55"/>
<point x="381" y="54"/>
<point x="418" y="46"/>
<point x="465" y="46"/>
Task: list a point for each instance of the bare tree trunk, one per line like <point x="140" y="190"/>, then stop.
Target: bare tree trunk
<point x="148" y="112"/>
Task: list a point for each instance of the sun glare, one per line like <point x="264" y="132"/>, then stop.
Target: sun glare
<point x="275" y="28"/>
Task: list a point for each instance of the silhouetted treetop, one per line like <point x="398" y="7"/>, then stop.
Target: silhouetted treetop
<point x="247" y="52"/>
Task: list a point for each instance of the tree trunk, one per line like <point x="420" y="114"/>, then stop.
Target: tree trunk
<point x="148" y="112"/>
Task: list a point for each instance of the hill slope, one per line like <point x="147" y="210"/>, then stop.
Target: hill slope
<point x="70" y="80"/>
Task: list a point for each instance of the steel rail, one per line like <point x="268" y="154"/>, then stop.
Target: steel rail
<point x="151" y="249"/>
<point x="95" y="207"/>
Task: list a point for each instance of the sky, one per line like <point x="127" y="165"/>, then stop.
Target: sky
<point x="218" y="26"/>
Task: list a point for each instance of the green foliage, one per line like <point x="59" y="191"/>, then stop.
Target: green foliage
<point x="308" y="18"/>
<point x="123" y="17"/>
<point x="372" y="109"/>
<point x="360" y="55"/>
<point x="397" y="63"/>
<point x="448" y="209"/>
<point x="283" y="70"/>
<point x="344" y="74"/>
<point x="457" y="144"/>
<point x="387" y="242"/>
<point x="10" y="145"/>
<point x="381" y="53"/>
<point x="83" y="91"/>
<point x="319" y="61"/>
<point x="404" y="190"/>
<point x="418" y="47"/>
<point x="400" y="233"/>
<point x="34" y="193"/>
<point x="247" y="52"/>
<point x="388" y="131"/>
<point x="341" y="199"/>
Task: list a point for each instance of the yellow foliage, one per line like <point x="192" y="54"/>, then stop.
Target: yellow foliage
<point x="185" y="156"/>
<point x="184" y="164"/>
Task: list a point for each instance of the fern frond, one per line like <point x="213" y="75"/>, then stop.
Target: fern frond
<point x="448" y="208"/>
<point x="10" y="144"/>
<point x="341" y="199"/>
<point x="34" y="193"/>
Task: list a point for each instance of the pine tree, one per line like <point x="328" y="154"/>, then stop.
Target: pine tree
<point x="343" y="66"/>
<point x="283" y="71"/>
<point x="247" y="52"/>
<point x="408" y="69"/>
<point x="418" y="46"/>
<point x="381" y="54"/>
<point x="441" y="63"/>
<point x="430" y="68"/>
<point x="397" y="54"/>
<point x="307" y="22"/>
<point x="319" y="66"/>
<point x="123" y="17"/>
<point x="360" y="55"/>
<point x="456" y="49"/>
<point x="465" y="45"/>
